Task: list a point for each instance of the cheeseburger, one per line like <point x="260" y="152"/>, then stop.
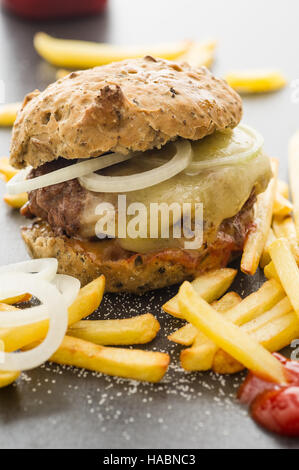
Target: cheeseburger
<point x="148" y="134"/>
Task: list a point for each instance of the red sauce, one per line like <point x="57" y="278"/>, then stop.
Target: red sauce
<point x="45" y="9"/>
<point x="273" y="406"/>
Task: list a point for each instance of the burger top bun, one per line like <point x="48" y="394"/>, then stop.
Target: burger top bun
<point x="134" y="105"/>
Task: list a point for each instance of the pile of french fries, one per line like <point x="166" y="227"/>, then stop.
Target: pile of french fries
<point x="228" y="333"/>
<point x="86" y="341"/>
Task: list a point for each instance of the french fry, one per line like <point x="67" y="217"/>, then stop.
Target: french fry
<point x="203" y="351"/>
<point x="274" y="330"/>
<point x="227" y="302"/>
<point x="209" y="286"/>
<point x="87" y="301"/>
<point x="83" y="54"/>
<point x="6" y="170"/>
<point x="282" y="206"/>
<point x="270" y="272"/>
<point x="287" y="270"/>
<point x="186" y="334"/>
<point x="266" y="258"/>
<point x="293" y="175"/>
<point x="228" y="336"/>
<point x="16" y="201"/>
<point x="136" y="330"/>
<point x="200" y="356"/>
<point x="256" y="303"/>
<point x="256" y="81"/>
<point x="61" y="73"/>
<point x="257" y="237"/>
<point x="129" y="363"/>
<point x="280" y="333"/>
<point x="199" y="54"/>
<point x="7" y="378"/>
<point x="15" y="300"/>
<point x="285" y="228"/>
<point x="8" y="113"/>
<point x="282" y="307"/>
<point x="283" y="188"/>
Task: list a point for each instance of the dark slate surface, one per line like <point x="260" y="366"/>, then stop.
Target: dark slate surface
<point x="61" y="407"/>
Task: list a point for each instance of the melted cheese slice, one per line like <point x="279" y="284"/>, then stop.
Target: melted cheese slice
<point x="223" y="190"/>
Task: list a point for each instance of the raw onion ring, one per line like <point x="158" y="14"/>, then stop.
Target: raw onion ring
<point x="68" y="286"/>
<point x="57" y="312"/>
<point x="19" y="183"/>
<point x="238" y="158"/>
<point x="43" y="268"/>
<point x="117" y="184"/>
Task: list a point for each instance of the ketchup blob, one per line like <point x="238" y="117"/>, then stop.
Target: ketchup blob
<point x="274" y="406"/>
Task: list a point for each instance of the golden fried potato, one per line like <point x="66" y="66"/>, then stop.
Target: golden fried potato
<point x="287" y="269"/>
<point x="136" y="330"/>
<point x="256" y="81"/>
<point x="134" y="364"/>
<point x="74" y="54"/>
<point x="228" y="336"/>
<point x="7" y="378"/>
<point x="16" y="201"/>
<point x="257" y="237"/>
<point x="209" y="286"/>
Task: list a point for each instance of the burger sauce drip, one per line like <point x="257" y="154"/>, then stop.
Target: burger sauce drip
<point x="274" y="406"/>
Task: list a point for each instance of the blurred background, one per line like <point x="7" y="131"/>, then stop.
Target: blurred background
<point x="250" y="34"/>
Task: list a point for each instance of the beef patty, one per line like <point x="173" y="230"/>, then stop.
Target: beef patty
<point x="62" y="206"/>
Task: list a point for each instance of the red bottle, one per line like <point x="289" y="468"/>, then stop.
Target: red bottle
<point x="50" y="9"/>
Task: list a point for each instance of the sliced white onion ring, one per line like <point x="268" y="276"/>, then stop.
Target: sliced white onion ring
<point x="68" y="286"/>
<point x="57" y="311"/>
<point x="237" y="158"/>
<point x="19" y="183"/>
<point x="117" y="184"/>
<point x="43" y="268"/>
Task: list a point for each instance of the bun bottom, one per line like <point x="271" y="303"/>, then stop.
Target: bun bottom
<point x="132" y="272"/>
